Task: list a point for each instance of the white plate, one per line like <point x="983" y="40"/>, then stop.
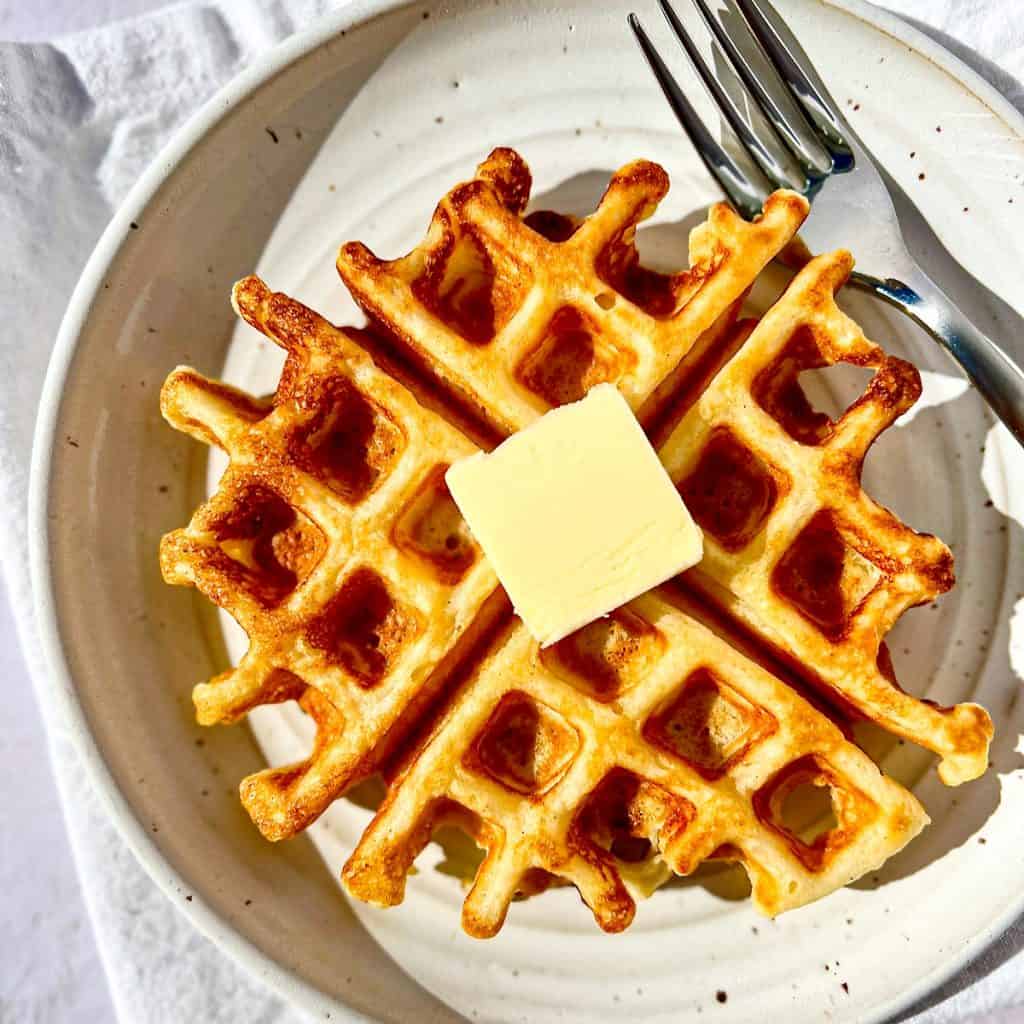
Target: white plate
<point x="566" y="86"/>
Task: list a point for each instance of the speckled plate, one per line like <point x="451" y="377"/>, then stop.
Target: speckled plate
<point x="353" y="131"/>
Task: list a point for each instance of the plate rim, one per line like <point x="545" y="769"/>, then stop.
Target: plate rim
<point x="58" y="682"/>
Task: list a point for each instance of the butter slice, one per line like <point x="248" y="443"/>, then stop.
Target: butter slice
<point x="576" y="514"/>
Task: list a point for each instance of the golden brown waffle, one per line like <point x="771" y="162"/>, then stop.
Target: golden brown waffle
<point x="794" y="548"/>
<point x="878" y="566"/>
<point x="332" y="538"/>
<point x="517" y="316"/>
<point x="334" y="543"/>
<point x="641" y="735"/>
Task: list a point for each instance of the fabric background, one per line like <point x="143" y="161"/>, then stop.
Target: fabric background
<point x="79" y="120"/>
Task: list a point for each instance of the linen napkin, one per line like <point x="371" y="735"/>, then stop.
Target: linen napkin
<point x="79" y="120"/>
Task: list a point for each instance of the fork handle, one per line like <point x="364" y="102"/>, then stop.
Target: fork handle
<point x="997" y="377"/>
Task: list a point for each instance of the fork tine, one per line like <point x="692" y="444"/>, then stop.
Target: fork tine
<point x="814" y="159"/>
<point x="766" y="160"/>
<point x="797" y="71"/>
<point x="746" y="196"/>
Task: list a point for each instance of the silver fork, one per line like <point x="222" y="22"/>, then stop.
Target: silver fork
<point x="804" y="143"/>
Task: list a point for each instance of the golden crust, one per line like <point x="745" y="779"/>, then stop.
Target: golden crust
<point x="515" y="322"/>
<point x="648" y="736"/>
<point x="689" y="757"/>
<point x="814" y="566"/>
<point x="332" y="541"/>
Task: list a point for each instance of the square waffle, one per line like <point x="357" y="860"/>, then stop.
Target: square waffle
<point x="641" y="735"/>
<point x="334" y="543"/>
<point x="794" y="547"/>
<point x="332" y="540"/>
<point x="518" y="315"/>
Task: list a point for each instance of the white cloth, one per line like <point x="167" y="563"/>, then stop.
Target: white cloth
<point x="79" y="119"/>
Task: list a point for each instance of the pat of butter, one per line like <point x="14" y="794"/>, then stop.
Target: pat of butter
<point x="576" y="514"/>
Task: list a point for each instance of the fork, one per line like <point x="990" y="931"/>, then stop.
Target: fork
<point x="804" y="143"/>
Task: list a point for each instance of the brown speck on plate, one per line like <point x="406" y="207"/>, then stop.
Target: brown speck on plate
<point x="845" y="987"/>
<point x="134" y="226"/>
<point x="721" y="996"/>
<point x="920" y="177"/>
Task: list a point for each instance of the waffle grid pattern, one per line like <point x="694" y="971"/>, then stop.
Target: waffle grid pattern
<point x="794" y="547"/>
<point x="299" y="545"/>
<point x="613" y="770"/>
<point x="517" y="316"/>
<point x="645" y="738"/>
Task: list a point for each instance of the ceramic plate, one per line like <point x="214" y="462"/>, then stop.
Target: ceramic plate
<point x="354" y="135"/>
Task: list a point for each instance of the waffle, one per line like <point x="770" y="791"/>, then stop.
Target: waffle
<point x="641" y="736"/>
<point x="794" y="548"/>
<point x="334" y="543"/>
<point x="518" y="316"/>
<point x="647" y="739"/>
<point x="839" y="570"/>
<point x="332" y="539"/>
